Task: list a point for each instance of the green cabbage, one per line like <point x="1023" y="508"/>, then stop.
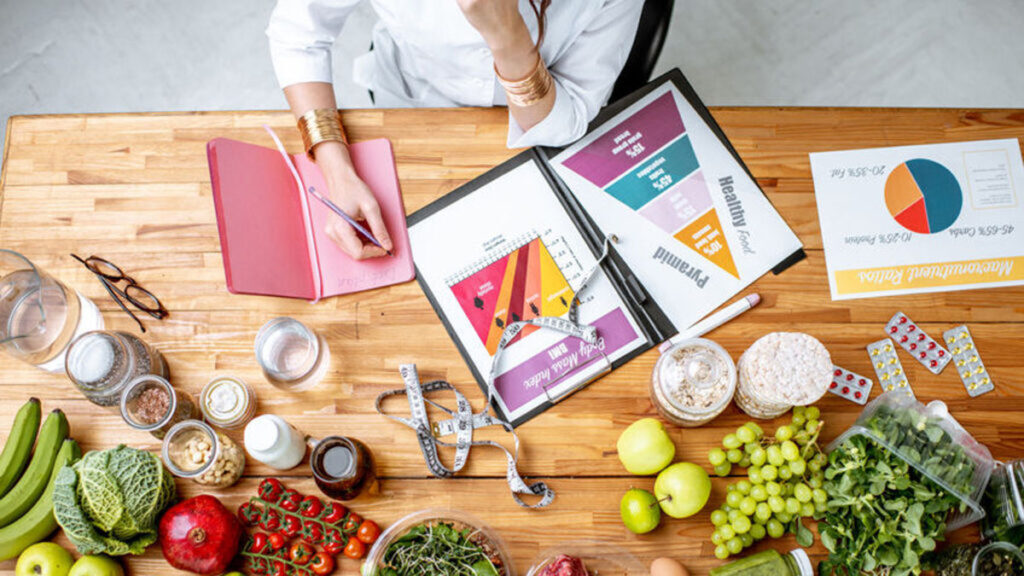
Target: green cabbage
<point x="109" y="501"/>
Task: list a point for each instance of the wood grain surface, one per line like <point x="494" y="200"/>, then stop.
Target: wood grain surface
<point x="134" y="188"/>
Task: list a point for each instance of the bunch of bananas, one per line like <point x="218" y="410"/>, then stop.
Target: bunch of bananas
<point x="26" y="477"/>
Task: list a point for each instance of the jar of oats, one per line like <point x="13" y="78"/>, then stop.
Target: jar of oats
<point x="693" y="382"/>
<point x="192" y="449"/>
<point x="781" y="370"/>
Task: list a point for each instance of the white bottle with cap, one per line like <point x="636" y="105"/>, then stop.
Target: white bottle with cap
<point x="274" y="442"/>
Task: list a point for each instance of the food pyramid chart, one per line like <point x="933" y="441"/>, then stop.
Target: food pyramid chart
<point x="923" y="196"/>
<point x="647" y="162"/>
<point x="524" y="283"/>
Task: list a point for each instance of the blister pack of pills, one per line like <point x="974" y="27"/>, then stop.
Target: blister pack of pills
<point x="850" y="385"/>
<point x="921" y="346"/>
<point x="887" y="366"/>
<point x="967" y="361"/>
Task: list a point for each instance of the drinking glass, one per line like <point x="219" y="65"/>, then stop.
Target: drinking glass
<point x="39" y="315"/>
<point x="292" y="356"/>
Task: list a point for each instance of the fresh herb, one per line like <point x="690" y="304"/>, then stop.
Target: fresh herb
<point x="882" y="514"/>
<point x="438" y="550"/>
<point x="922" y="441"/>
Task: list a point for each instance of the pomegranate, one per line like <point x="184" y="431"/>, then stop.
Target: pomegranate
<point x="199" y="535"/>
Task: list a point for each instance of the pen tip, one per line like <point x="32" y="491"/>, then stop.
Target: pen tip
<point x="389" y="252"/>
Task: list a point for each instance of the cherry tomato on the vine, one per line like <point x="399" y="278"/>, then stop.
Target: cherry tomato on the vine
<point x="368" y="532"/>
<point x="322" y="564"/>
<point x="277" y="541"/>
<point x="355" y="549"/>
<point x="301" y="553"/>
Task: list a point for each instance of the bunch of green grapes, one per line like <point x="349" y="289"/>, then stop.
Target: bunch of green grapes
<point x="785" y="474"/>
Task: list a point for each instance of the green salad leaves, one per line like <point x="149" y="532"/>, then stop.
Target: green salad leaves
<point x="439" y="550"/>
<point x="110" y="500"/>
<point x="882" y="513"/>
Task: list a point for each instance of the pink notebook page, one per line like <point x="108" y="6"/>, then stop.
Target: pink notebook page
<point x="259" y="218"/>
<point x="340" y="274"/>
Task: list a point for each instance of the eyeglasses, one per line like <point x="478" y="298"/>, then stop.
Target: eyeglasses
<point x="110" y="275"/>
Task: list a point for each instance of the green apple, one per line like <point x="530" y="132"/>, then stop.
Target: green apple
<point x="44" y="559"/>
<point x="682" y="489"/>
<point x="639" y="510"/>
<point x="644" y="447"/>
<point x="96" y="566"/>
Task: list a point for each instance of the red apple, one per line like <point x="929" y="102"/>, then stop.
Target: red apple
<point x="199" y="535"/>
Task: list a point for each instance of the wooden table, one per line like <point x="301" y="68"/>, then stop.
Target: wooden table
<point x="135" y="189"/>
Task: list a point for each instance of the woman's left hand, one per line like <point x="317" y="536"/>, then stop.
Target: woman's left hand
<point x="496" y="20"/>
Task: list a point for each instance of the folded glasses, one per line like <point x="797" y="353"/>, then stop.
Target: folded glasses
<point x="110" y="276"/>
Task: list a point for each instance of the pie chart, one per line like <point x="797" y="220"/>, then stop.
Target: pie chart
<point x="923" y="196"/>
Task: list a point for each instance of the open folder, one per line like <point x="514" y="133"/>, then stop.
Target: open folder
<point x="273" y="235"/>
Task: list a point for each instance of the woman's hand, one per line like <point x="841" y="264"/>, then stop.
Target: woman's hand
<point x="498" y="21"/>
<point x="353" y="196"/>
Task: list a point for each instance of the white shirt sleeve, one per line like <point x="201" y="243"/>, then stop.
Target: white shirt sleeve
<point x="301" y="34"/>
<point x="584" y="76"/>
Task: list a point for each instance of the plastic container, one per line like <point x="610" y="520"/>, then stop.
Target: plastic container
<point x="907" y="440"/>
<point x="598" y="558"/>
<point x="149" y="403"/>
<point x="431" y="516"/>
<point x="193" y="450"/>
<point x="693" y="382"/>
<point x="228" y="402"/>
<point x="1006" y="551"/>
<point x="1004" y="502"/>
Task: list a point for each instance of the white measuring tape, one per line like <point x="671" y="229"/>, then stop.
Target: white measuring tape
<point x="463" y="421"/>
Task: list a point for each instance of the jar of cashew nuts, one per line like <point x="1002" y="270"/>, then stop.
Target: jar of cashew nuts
<point x="192" y="449"/>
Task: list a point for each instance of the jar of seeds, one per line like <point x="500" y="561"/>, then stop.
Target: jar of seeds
<point x="693" y="382"/>
<point x="192" y="449"/>
<point x="102" y="363"/>
<point x="149" y="403"/>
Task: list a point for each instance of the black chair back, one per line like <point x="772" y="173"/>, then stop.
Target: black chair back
<point x="650" y="39"/>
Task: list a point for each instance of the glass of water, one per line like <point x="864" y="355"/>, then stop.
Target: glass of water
<point x="292" y="356"/>
<point x="39" y="315"/>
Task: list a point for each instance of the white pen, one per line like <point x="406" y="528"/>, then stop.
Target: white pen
<point x="714" y="321"/>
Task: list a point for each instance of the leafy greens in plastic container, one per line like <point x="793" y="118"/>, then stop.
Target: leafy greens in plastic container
<point x="933" y="443"/>
<point x="109" y="501"/>
<point x="896" y="481"/>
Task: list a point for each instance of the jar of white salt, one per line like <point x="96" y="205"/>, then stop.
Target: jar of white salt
<point x="693" y="382"/>
<point x="102" y="363"/>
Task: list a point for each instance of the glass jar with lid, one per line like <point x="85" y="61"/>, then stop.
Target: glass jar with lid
<point x="149" y="403"/>
<point x="693" y="382"/>
<point x="228" y="402"/>
<point x="192" y="449"/>
<point x="102" y="363"/>
<point x="768" y="563"/>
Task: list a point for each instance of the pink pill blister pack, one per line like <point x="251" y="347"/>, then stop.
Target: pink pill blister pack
<point x="850" y="385"/>
<point x="921" y="346"/>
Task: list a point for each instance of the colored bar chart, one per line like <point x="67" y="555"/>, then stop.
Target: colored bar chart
<point x="521" y="285"/>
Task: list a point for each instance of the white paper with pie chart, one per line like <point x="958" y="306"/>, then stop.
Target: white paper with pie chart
<point x="928" y="218"/>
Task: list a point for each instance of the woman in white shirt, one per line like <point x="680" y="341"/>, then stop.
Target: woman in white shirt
<point x="552" y="62"/>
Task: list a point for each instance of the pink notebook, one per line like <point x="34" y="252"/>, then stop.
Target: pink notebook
<point x="272" y="234"/>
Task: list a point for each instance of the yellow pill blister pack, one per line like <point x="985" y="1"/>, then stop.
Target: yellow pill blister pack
<point x="967" y="361"/>
<point x="886" y="363"/>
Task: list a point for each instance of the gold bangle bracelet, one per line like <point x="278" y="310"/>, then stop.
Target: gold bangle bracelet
<point x="321" y="125"/>
<point x="529" y="90"/>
